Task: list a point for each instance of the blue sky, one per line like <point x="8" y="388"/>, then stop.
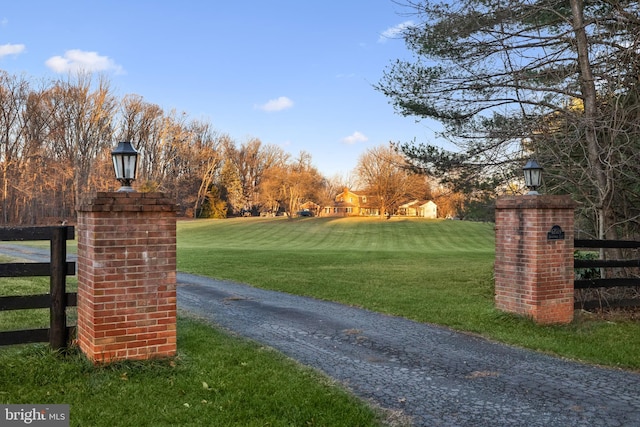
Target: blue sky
<point x="294" y="73"/>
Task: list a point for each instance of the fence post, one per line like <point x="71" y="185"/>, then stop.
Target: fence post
<point x="58" y="317"/>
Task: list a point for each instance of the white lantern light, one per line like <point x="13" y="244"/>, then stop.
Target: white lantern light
<point x="125" y="161"/>
<point x="532" y="176"/>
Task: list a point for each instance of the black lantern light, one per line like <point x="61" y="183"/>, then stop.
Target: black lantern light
<point x="125" y="160"/>
<point x="532" y="176"/>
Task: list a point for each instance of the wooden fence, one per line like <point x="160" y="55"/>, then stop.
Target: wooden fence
<point x="57" y="300"/>
<point x="599" y="282"/>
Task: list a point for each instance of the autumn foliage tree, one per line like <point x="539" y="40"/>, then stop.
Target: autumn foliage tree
<point x="288" y="185"/>
<point x="385" y="174"/>
<point x="55" y="143"/>
<point x="80" y="125"/>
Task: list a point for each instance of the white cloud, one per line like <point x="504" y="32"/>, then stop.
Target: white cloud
<point x="278" y="104"/>
<point x="394" y="32"/>
<point x="355" y="138"/>
<point x="11" y="49"/>
<point x="76" y="60"/>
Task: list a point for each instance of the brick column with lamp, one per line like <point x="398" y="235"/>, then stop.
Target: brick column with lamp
<point x="127" y="276"/>
<point x="534" y="257"/>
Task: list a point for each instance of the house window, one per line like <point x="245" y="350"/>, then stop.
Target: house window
<point x="364" y="199"/>
<point x="350" y="199"/>
<point x="349" y="210"/>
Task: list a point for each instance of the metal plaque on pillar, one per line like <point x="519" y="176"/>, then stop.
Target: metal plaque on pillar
<point x="556" y="233"/>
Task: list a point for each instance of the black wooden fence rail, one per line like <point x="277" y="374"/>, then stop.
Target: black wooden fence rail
<point x="57" y="300"/>
<point x="599" y="263"/>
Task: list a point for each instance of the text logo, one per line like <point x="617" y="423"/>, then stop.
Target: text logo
<point x="34" y="415"/>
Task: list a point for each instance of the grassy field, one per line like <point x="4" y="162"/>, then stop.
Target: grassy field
<point x="216" y="380"/>
<point x="393" y="266"/>
<point x="430" y="271"/>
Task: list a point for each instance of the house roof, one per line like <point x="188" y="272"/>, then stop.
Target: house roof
<point x="417" y="204"/>
<point x="343" y="204"/>
<point x="409" y="204"/>
<point x="310" y="204"/>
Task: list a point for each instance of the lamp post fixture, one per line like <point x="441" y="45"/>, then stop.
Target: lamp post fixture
<point x="125" y="161"/>
<point x="532" y="176"/>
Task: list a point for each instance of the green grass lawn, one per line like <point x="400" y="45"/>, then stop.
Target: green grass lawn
<point x="394" y="266"/>
<point x="215" y="380"/>
<point x="430" y="271"/>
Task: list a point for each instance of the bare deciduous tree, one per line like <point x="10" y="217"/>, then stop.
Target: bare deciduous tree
<point x="385" y="174"/>
<point x="292" y="184"/>
<point x="81" y="124"/>
<point x="14" y="95"/>
<point x="55" y="145"/>
<point x="142" y="124"/>
<point x="208" y="156"/>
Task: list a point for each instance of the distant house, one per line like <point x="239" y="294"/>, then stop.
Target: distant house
<point x="349" y="203"/>
<point x="424" y="209"/>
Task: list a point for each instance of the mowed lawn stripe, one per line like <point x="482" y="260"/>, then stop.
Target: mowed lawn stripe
<point x="430" y="271"/>
<point x="390" y="266"/>
<point x="338" y="234"/>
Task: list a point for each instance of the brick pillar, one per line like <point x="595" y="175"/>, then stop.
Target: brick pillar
<point x="127" y="276"/>
<point x="534" y="263"/>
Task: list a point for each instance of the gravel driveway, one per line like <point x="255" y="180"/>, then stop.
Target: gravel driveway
<point x="435" y="376"/>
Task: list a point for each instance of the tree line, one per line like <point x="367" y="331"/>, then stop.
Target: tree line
<point x="56" y="138"/>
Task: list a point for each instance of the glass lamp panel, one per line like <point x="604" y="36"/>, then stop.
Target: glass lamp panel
<point x="129" y="166"/>
<point x="118" y="166"/>
<point x="535" y="177"/>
